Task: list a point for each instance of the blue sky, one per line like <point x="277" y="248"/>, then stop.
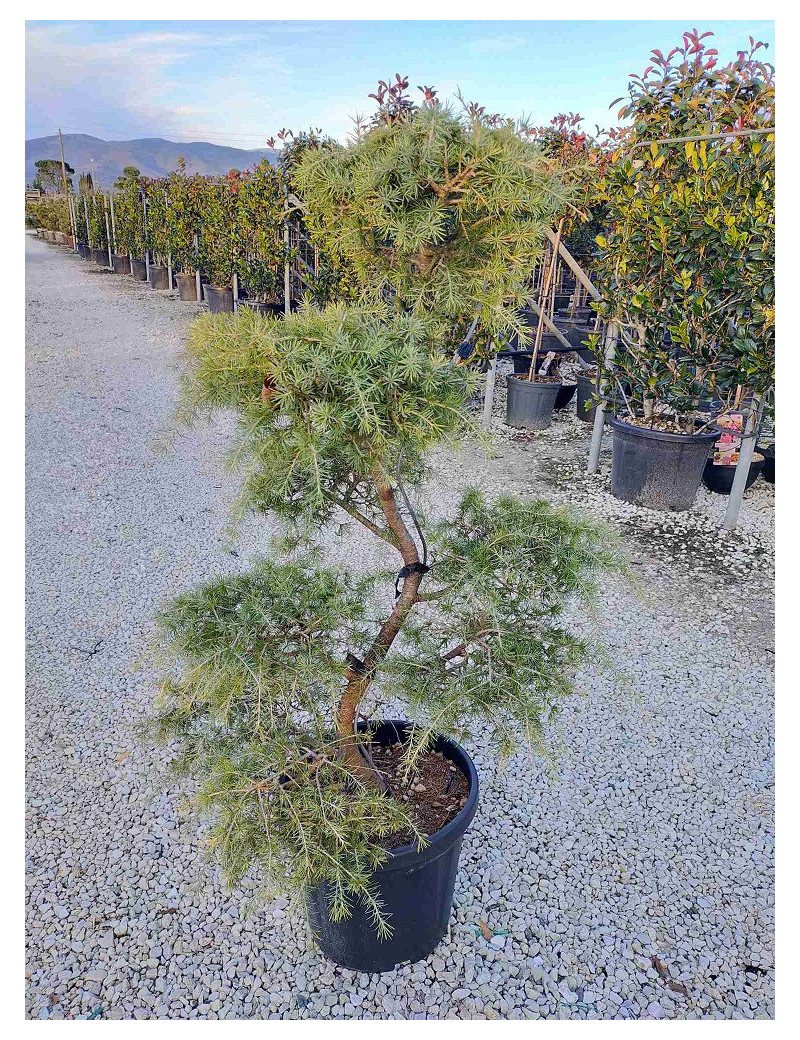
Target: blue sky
<point x="238" y="82"/>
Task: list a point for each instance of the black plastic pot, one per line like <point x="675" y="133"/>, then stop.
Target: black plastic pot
<point x="187" y="286"/>
<point x="416" y="888"/>
<point x="220" y="301"/>
<point x="100" y="257"/>
<point x="84" y="250"/>
<point x="159" y="277"/>
<point x="583" y="314"/>
<point x="529" y="405"/>
<point x="573" y="333"/>
<point x="121" y="264"/>
<point x="276" y="310"/>
<point x="587" y="385"/>
<point x="139" y="270"/>
<point x="564" y="396"/>
<point x="768" y="472"/>
<point x="522" y="362"/>
<point x="719" y="479"/>
<point x="656" y="469"/>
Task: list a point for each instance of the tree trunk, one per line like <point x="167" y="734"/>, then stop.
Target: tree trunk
<point x="360" y="678"/>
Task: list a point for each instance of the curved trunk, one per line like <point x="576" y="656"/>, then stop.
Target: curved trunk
<point x="359" y="677"/>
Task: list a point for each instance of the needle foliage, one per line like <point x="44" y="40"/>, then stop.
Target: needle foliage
<point x="338" y="409"/>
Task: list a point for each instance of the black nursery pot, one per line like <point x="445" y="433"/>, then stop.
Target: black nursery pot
<point x="768" y="472"/>
<point x="84" y="250"/>
<point x="159" y="278"/>
<point x="100" y="257"/>
<point x="275" y="310"/>
<point x="529" y="405"/>
<point x="187" y="286"/>
<point x="121" y="264"/>
<point x="139" y="270"/>
<point x="565" y="394"/>
<point x="656" y="469"/>
<point x="573" y="333"/>
<point x="220" y="301"/>
<point x="719" y="479"/>
<point x="416" y="888"/>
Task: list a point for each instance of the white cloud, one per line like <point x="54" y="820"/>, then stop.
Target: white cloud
<point x="129" y="87"/>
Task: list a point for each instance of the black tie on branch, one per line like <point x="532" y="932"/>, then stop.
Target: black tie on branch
<point x="356" y="667"/>
<point x="406" y="572"/>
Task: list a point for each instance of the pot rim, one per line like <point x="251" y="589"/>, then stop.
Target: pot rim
<point x="409" y="856"/>
<point x="533" y="382"/>
<point x="661" y="435"/>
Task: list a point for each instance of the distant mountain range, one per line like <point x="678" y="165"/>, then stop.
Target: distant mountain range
<point x="153" y="156"/>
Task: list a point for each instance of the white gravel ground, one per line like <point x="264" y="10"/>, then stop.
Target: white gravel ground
<point x="629" y="878"/>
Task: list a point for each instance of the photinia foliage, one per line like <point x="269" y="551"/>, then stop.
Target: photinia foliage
<point x="687" y="260"/>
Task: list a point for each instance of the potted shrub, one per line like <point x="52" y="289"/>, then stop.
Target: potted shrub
<point x="275" y="676"/>
<point x="261" y="201"/>
<point x="689" y="251"/>
<point x="129" y="221"/>
<point x="183" y="223"/>
<point x="82" y="230"/>
<point x="157" y="232"/>
<point x="98" y="233"/>
<point x="220" y="240"/>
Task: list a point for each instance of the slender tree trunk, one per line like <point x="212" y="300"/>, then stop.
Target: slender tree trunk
<point x="360" y="679"/>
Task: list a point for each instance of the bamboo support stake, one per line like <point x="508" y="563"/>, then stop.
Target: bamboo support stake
<point x="113" y="223"/>
<point x="612" y="333"/>
<point x="235" y="289"/>
<point x="545" y="290"/>
<point x="576" y="268"/>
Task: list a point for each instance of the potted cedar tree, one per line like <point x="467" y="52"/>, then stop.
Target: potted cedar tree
<point x="277" y="675"/>
<point x="689" y="251"/>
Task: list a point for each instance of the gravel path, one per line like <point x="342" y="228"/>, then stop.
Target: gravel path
<point x="631" y="877"/>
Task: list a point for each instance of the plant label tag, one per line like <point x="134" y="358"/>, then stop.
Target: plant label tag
<point x="726" y="449"/>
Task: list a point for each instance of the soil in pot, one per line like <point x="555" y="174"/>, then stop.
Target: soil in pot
<point x="139" y="270"/>
<point x="719" y="479"/>
<point x="415" y="887"/>
<point x="219" y="300"/>
<point x="656" y="468"/>
<point x="120" y="263"/>
<point x="159" y="277"/>
<point x="187" y="286"/>
<point x="529" y="404"/>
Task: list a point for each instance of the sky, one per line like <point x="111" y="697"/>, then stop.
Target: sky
<point x="237" y="82"/>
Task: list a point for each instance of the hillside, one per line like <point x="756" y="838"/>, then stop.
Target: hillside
<point x="153" y="156"/>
